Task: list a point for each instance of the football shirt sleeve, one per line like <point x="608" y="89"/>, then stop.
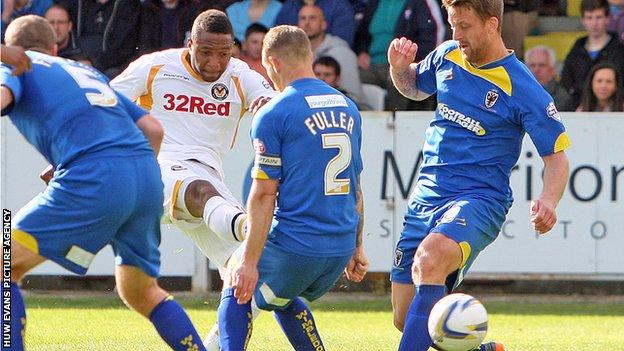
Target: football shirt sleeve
<point x="13" y="83"/>
<point x="133" y="110"/>
<point x="542" y="121"/>
<point x="426" y="72"/>
<point x="132" y="82"/>
<point x="267" y="142"/>
<point x="254" y="85"/>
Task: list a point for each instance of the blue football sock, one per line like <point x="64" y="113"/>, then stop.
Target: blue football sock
<point x="18" y="319"/>
<point x="235" y="322"/>
<point x="298" y="324"/>
<point x="175" y="327"/>
<point x="415" y="332"/>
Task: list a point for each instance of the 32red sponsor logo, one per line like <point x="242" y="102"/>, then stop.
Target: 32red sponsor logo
<point x="195" y="104"/>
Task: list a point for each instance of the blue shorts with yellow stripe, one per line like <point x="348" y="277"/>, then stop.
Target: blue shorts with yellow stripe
<point x="472" y="222"/>
<point x="91" y="203"/>
<point x="284" y="275"/>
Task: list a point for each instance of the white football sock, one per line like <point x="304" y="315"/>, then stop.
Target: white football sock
<point x="226" y="219"/>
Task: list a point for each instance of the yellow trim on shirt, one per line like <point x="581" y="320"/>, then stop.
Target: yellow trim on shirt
<point x="497" y="75"/>
<point x="563" y="142"/>
<point x="257" y="173"/>
<point x="241" y="93"/>
<point x="147" y="100"/>
<point x="186" y="63"/>
<point x="26" y="240"/>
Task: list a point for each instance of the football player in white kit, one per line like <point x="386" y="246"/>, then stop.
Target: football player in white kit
<point x="199" y="94"/>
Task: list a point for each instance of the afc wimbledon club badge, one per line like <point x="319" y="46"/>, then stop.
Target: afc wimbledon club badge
<point x="219" y="91"/>
<point x="398" y="257"/>
<point x="490" y="98"/>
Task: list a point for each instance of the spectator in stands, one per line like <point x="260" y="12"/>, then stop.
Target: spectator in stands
<point x="338" y="14"/>
<point x="113" y="32"/>
<point x="327" y="69"/>
<point x="243" y="14"/>
<point x="176" y="20"/>
<point x="616" y="24"/>
<point x="11" y="9"/>
<point x="252" y="48"/>
<point x="599" y="45"/>
<point x="237" y="48"/>
<point x="541" y="60"/>
<point x="519" y="17"/>
<point x="421" y="21"/>
<point x="58" y="17"/>
<point x="312" y="21"/>
<point x="602" y="91"/>
<point x="220" y="5"/>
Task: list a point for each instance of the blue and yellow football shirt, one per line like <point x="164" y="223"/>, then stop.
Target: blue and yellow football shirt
<point x="308" y="137"/>
<point x="476" y="135"/>
<point x="81" y="115"/>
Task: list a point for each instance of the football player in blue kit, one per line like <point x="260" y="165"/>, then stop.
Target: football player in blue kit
<point x="106" y="187"/>
<point x="307" y="141"/>
<point x="487" y="101"/>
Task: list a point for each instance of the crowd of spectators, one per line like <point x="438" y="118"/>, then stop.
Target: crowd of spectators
<point x="349" y="39"/>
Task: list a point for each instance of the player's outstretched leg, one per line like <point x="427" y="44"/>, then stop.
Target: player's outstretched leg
<point x="415" y="332"/>
<point x="298" y="324"/>
<point x="142" y="293"/>
<point x="436" y="257"/>
<point x="235" y="322"/>
<point x="225" y="218"/>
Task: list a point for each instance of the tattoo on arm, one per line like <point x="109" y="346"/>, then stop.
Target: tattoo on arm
<point x="359" y="207"/>
<point x="405" y="81"/>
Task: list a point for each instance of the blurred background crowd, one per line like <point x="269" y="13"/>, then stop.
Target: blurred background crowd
<point x="574" y="48"/>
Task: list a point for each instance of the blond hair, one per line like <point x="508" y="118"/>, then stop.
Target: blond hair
<point x="32" y="33"/>
<point x="484" y="9"/>
<point x="288" y="43"/>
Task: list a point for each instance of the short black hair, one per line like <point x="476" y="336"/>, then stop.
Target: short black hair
<point x="591" y="5"/>
<point x="255" y="28"/>
<point x="329" y="62"/>
<point x="212" y="21"/>
<point x="59" y="7"/>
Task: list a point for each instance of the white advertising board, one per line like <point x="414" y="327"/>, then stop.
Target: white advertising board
<point x="587" y="240"/>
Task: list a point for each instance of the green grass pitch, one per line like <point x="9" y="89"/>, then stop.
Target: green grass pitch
<point x="346" y="322"/>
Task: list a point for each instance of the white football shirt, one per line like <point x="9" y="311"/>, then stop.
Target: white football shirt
<point x="200" y="118"/>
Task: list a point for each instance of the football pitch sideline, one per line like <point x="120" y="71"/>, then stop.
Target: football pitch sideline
<point x="348" y="322"/>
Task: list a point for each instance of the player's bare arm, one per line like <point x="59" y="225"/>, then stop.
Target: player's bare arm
<point x="153" y="131"/>
<point x="358" y="265"/>
<point x="543" y="210"/>
<point x="16" y="57"/>
<point x="260" y="207"/>
<point x="401" y="55"/>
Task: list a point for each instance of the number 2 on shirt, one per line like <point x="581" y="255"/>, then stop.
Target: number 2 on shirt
<point x="333" y="184"/>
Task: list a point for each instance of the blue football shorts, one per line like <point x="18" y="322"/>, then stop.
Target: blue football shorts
<point x="92" y="202"/>
<point x="284" y="276"/>
<point x="472" y="222"/>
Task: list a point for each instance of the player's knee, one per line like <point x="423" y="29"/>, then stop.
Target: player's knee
<point x="141" y="297"/>
<point x="197" y="193"/>
<point x="427" y="268"/>
<point x="23" y="260"/>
